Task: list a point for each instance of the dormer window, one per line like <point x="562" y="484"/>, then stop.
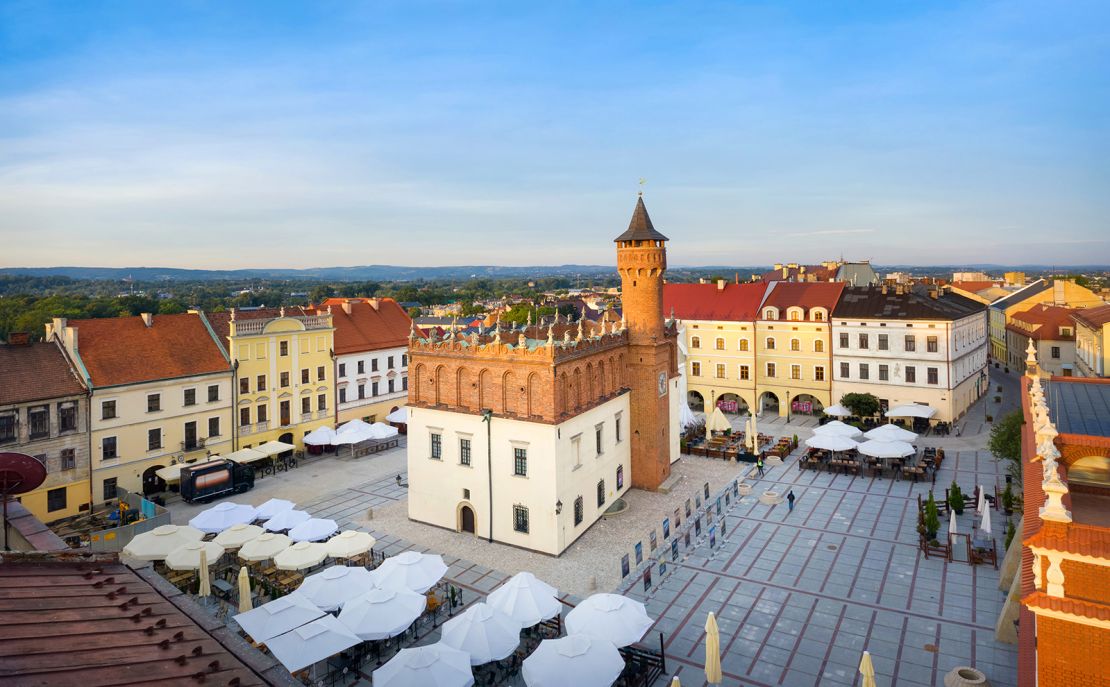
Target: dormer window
<point x="817" y="315"/>
<point x="795" y="314"/>
<point x="771" y="314"/>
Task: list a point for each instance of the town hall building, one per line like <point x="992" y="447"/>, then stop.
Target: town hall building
<point x="527" y="435"/>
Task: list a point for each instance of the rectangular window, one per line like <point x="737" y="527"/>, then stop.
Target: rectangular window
<point x="283" y="348"/>
<point x="911" y="374"/>
<point x="7" y="427"/>
<point x="404" y="384"/>
<point x="597" y="440"/>
<point x="374" y="365"/>
<point x="845" y="371"/>
<point x="464" y="451"/>
<point x="911" y="342"/>
<point x="320" y="374"/>
<point x="190" y="398"/>
<point x="617" y="426"/>
<point x="931" y="344"/>
<point x="1056" y="352"/>
<point x="213" y="393"/>
<point x="884" y="373"/>
<point x="260" y="383"/>
<point x="56" y="499"/>
<point x="153" y="439"/>
<point x="884" y="342"/>
<point x="819" y="373"/>
<point x="864" y="371"/>
<point x="600" y="493"/>
<point x="770" y="369"/>
<point x="520" y="519"/>
<point x="304" y="376"/>
<point x="153" y="403"/>
<point x="343" y="369"/>
<point x="373" y="388"/>
<point x="69" y="459"/>
<point x="620" y="477"/>
<point x="108" y="448"/>
<point x="38" y="421"/>
<point x="863" y="341"/>
<point x="745" y="372"/>
<point x="437" y="447"/>
<point x="244" y="416"/>
<point x="720" y="371"/>
<point x="795" y="371"/>
<point x="770" y="343"/>
<point x="520" y="462"/>
<point x="261" y="412"/>
<point x="695" y="369"/>
<point x="343" y="395"/>
<point x="109" y="489"/>
<point x="107" y="410"/>
<point x="361" y="366"/>
<point x="578" y="511"/>
<point x="190" y="436"/>
<point x="404" y="359"/>
<point x="284" y="380"/>
<point x="213" y="427"/>
<point x="306" y="405"/>
<point x="244" y="385"/>
<point x="389" y="385"/>
<point x="389" y="362"/>
<point x="362" y="390"/>
<point x="720" y="344"/>
<point x="933" y="377"/>
<point x="321" y="402"/>
<point x="844" y="341"/>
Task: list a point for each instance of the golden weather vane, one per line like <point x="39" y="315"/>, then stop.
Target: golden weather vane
<point x="642" y="182"/>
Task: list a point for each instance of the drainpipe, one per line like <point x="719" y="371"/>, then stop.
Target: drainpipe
<point x="487" y="417"/>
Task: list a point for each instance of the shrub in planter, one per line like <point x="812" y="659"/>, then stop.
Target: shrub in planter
<point x="932" y="519"/>
<point x="1008" y="500"/>
<point x="956" y="499"/>
<point x="1011" y="531"/>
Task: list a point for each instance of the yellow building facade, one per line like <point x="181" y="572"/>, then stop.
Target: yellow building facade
<point x="284" y="373"/>
<point x="1060" y="292"/>
<point x="720" y="365"/>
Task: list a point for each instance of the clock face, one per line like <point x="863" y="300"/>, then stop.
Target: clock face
<point x="662" y="383"/>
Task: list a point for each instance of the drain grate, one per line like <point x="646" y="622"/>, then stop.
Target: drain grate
<point x="831" y="547"/>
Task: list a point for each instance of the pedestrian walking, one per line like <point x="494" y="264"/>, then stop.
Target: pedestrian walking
<point x="759" y="464"/>
<point x="790" y="500"/>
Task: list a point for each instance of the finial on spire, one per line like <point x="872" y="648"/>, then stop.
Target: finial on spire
<point x="566" y="336"/>
<point x="551" y="334"/>
<point x="281" y="310"/>
<point x="579" y="337"/>
<point x="497" y="335"/>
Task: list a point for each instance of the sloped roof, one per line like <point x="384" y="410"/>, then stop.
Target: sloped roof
<point x="857" y="274"/>
<point x="821" y="294"/>
<point x="123" y="350"/>
<point x="1094" y="317"/>
<point x="1073" y="537"/>
<point x="911" y="304"/>
<point x="800" y="273"/>
<point x="367" y="328"/>
<point x="1022" y="294"/>
<point x="734" y="303"/>
<point x="973" y="286"/>
<point x="1080" y="405"/>
<point x="34" y="372"/>
<point x="1043" y="322"/>
<point x="640" y="228"/>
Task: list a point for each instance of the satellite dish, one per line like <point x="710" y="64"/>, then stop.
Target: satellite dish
<point x="19" y="474"/>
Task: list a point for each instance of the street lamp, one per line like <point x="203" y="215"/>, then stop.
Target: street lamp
<point x="558" y="507"/>
<point x="487" y="417"/>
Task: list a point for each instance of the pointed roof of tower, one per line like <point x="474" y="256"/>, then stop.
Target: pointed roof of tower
<point x="640" y="228"/>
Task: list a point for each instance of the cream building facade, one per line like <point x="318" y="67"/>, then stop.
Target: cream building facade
<point x="1092" y="336"/>
<point x="1060" y="292"/>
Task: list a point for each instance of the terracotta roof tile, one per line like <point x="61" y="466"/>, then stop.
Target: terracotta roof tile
<point x="123" y="350"/>
<point x="1089" y="540"/>
<point x="807" y="295"/>
<point x="734" y="303"/>
<point x="1093" y="317"/>
<point x="1043" y="322"/>
<point x="1072" y="606"/>
<point x="973" y="286"/>
<point x="367" y="328"/>
<point x="37" y="371"/>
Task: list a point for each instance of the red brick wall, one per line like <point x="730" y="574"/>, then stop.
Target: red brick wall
<point x="1071" y="655"/>
<point x="1086" y="581"/>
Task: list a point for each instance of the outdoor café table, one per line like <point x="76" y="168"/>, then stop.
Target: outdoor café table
<point x="222" y="588"/>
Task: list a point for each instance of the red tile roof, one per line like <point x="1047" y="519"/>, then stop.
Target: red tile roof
<point x="816" y="272"/>
<point x="1069" y="605"/>
<point x="34" y="372"/>
<point x="734" y="303"/>
<point x="123" y="350"/>
<point x="785" y="294"/>
<point x="367" y="328"/>
<point x="1089" y="540"/>
<point x="1093" y="317"/>
<point x="1043" y="322"/>
<point x="973" y="286"/>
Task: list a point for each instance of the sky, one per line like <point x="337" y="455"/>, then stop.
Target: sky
<point x="277" y="134"/>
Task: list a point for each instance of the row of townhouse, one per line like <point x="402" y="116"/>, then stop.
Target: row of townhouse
<point x="1057" y="292"/>
<point x="106" y="403"/>
<point x="790" y="347"/>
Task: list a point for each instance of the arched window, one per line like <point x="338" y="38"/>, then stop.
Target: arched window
<point x="770" y="343"/>
<point x="770" y="313"/>
<point x="695" y="342"/>
<point x="795" y="314"/>
<point x="817" y="314"/>
<point x="818" y="346"/>
<point x="600" y="493"/>
<point x="743" y="344"/>
<point x="720" y="344"/>
<point x="795" y="345"/>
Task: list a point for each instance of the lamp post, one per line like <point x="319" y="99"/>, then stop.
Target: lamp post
<point x="487" y="417"/>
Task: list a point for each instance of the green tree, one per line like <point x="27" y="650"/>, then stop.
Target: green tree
<point x="863" y="405"/>
<point x="1005" y="440"/>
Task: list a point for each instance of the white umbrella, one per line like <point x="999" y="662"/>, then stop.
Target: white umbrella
<point x="264" y="546"/>
<point x="435" y="665"/>
<point x="382" y="613"/>
<point x="333" y="587"/>
<point x="321" y="436"/>
<point x="353" y="432"/>
<point x="222" y="516"/>
<point x="573" y="661"/>
<point x="952" y="529"/>
<point x="273" y="507"/>
<point x="526" y="599"/>
<point x="237" y="535"/>
<point x="717" y="421"/>
<point x="753" y="434"/>
<point x="172" y="473"/>
<point x="831" y="442"/>
<point x="912" y="410"/>
<point x="411" y="570"/>
<point x="380" y="430"/>
<point x="837" y="410"/>
<point x="350" y="543"/>
<point x="985" y="524"/>
<point x="156" y="544"/>
<point x="686" y="416"/>
<point x="311" y="643"/>
<point x="981" y="505"/>
<point x="839" y="428"/>
<point x="401" y="415"/>
<point x="616" y="618"/>
<point x="891" y="432"/>
<point x="314" y="529"/>
<point x="278" y="617"/>
<point x="886" y="449"/>
<point x="273" y="448"/>
<point x="483" y="632"/>
<point x="187" y="557"/>
<point x="286" y="520"/>
<point x="300" y="556"/>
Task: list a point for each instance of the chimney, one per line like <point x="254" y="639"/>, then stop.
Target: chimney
<point x="737" y="277"/>
<point x="785" y="272"/>
<point x="720" y="284"/>
<point x="148" y="319"/>
<point x="19" y="339"/>
<point x="347" y="306"/>
<point x="778" y="266"/>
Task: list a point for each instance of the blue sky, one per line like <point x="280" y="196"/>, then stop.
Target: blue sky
<point x="270" y="134"/>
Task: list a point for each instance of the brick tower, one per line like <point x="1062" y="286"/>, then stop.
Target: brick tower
<point x="641" y="262"/>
